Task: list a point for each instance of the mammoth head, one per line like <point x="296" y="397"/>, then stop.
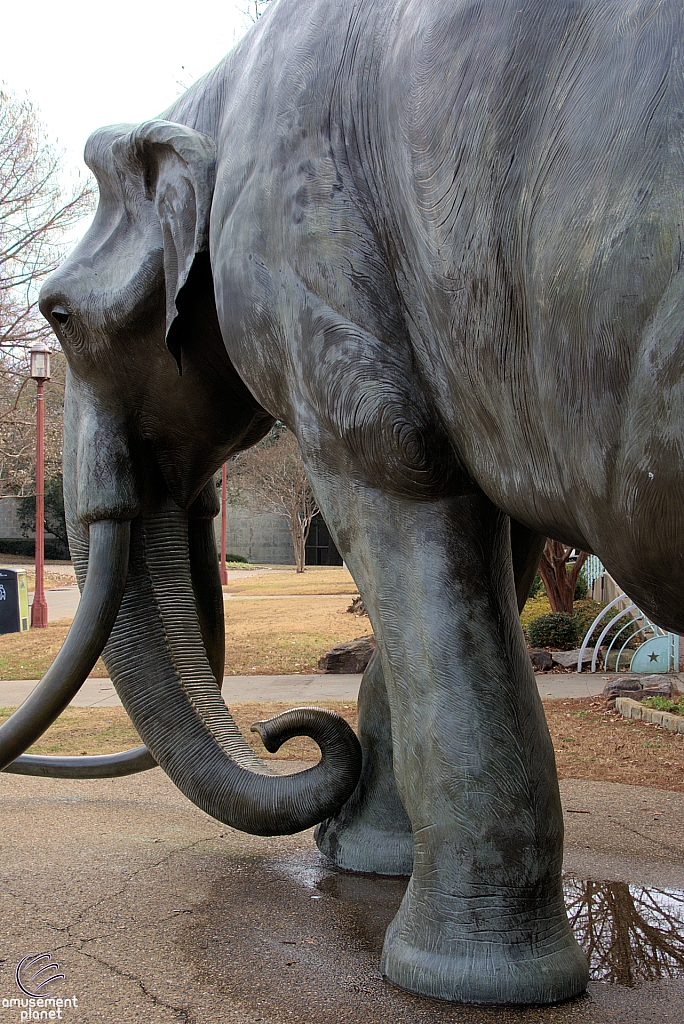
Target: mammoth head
<point x="134" y="305"/>
<point x="156" y="182"/>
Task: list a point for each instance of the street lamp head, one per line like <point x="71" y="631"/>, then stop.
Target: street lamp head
<point x="40" y="361"/>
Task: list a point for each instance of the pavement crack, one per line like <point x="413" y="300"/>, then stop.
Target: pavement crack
<point x="140" y="871"/>
<point x="181" y="1012"/>
<point x="651" y="839"/>
<point x="36" y="910"/>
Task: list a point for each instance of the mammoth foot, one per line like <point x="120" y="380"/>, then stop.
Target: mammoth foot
<point x="356" y="845"/>
<point x="371" y="833"/>
<point x="494" y="949"/>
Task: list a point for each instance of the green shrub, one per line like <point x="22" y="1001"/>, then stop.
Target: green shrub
<point x="54" y="549"/>
<point x="557" y="630"/>
<point x="581" y="585"/>
<point x="236" y="558"/>
<point x="586" y="611"/>
<point x="537" y="586"/>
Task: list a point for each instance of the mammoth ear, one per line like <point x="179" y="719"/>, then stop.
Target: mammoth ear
<point x="176" y="166"/>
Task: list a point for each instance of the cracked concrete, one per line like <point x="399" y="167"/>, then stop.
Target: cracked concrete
<point x="157" y="913"/>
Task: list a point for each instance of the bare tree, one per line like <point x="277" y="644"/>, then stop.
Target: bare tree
<point x="560" y="583"/>
<point x="270" y="478"/>
<point x="36" y="209"/>
<point x="253" y="9"/>
<point x="629" y="933"/>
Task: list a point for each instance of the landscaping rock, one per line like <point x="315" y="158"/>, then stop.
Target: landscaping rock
<point x="637" y="689"/>
<point x="568" y="659"/>
<point x="658" y="686"/>
<point x="350" y="657"/>
<point x="357" y="606"/>
<point x="622" y="685"/>
<point x="541" y="660"/>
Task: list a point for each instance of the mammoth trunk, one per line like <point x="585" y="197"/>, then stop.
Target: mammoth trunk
<point x="165" y="662"/>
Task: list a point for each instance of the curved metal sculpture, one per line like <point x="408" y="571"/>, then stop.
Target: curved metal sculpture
<point x="661" y="647"/>
<point x="441" y="241"/>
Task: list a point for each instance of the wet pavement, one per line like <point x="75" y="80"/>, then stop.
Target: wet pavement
<point x="157" y="913"/>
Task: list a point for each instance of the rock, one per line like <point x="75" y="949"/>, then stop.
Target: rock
<point x="357" y="606"/>
<point x="622" y="686"/>
<point x="637" y="689"/>
<point x="350" y="657"/>
<point x="658" y="686"/>
<point x="541" y="660"/>
<point x="568" y="659"/>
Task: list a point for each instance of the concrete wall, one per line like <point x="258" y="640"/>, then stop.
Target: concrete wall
<point x="9" y="526"/>
<point x="258" y="538"/>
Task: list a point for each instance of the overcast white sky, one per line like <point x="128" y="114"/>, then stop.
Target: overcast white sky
<point x="86" y="63"/>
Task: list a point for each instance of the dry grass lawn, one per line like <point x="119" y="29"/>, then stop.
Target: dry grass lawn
<point x="29" y="655"/>
<point x="265" y="637"/>
<point x="315" y="579"/>
<point x="57" y="574"/>
<point x="280" y="637"/>
<point x="590" y="742"/>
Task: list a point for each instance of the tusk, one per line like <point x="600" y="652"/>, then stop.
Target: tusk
<point x="93" y="622"/>
<point x="100" y="766"/>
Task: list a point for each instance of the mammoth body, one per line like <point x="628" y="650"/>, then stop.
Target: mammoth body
<point x="442" y="241"/>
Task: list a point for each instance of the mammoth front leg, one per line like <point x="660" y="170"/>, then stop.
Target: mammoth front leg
<point x="483" y="918"/>
<point x="371" y="833"/>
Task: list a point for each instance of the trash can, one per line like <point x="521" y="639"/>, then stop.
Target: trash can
<point x="14" y="607"/>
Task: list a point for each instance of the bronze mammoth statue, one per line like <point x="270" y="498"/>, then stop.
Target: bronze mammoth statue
<point x="442" y="241"/>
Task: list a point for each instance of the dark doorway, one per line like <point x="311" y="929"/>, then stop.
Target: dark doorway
<point x="320" y="547"/>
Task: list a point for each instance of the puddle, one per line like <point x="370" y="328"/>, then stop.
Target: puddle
<point x="629" y="933"/>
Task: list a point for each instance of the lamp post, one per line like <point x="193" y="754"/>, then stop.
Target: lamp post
<point x="223" y="572"/>
<point x="40" y="372"/>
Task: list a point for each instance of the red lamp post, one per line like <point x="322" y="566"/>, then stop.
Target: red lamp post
<point x="40" y="372"/>
<point x="223" y="572"/>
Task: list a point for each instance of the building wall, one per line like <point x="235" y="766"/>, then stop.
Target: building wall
<point x="9" y="525"/>
<point x="258" y="538"/>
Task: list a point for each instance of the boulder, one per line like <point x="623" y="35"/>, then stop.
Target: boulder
<point x="541" y="660"/>
<point x="568" y="659"/>
<point x="357" y="606"/>
<point x="623" y="686"/>
<point x="658" y="686"/>
<point x="352" y="656"/>
<point x="637" y="689"/>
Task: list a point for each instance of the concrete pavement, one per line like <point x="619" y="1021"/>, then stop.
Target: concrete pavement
<point x="156" y="912"/>
<point x="301" y="689"/>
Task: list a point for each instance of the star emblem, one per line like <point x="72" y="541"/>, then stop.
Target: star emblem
<point x="653" y="657"/>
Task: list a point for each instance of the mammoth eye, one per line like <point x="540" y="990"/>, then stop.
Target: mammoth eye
<point x="61" y="315"/>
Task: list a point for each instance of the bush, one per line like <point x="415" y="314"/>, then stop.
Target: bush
<point x="233" y="558"/>
<point x="54" y="549"/>
<point x="557" y="630"/>
<point x="537" y="586"/>
<point x="581" y="585"/>
<point x="584" y="614"/>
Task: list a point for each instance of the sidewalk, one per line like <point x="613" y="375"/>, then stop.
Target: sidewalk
<point x="99" y="693"/>
<point x="156" y="912"/>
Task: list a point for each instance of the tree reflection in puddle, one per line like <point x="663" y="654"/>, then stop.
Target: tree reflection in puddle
<point x="629" y="933"/>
